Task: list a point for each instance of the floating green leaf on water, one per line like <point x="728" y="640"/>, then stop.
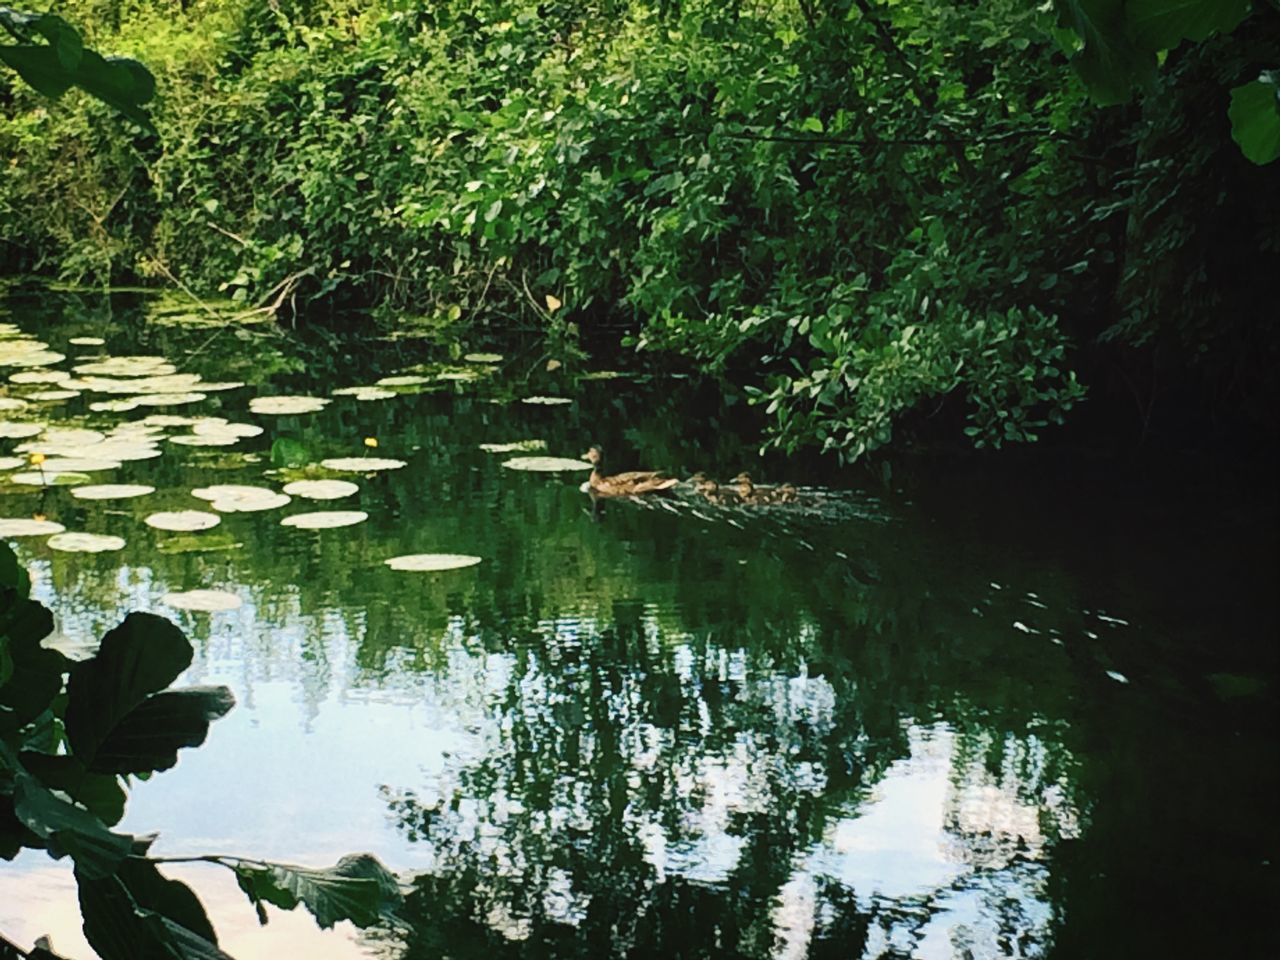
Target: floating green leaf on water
<point x="204" y="542"/>
<point x="325" y="519"/>
<point x="545" y="464"/>
<point x="204" y="440"/>
<point x="482" y="357"/>
<point x="78" y="465"/>
<point x="10" y="430"/>
<point x="167" y="399"/>
<point x="12" y="463"/>
<point x="112" y="491"/>
<point x="169" y="420"/>
<point x="361" y="464"/>
<point x="285" y="406"/>
<point x="518" y="446"/>
<point x="182" y="521"/>
<point x="432" y="562"/>
<point x="40" y="376"/>
<point x="215" y="426"/>
<point x="28" y="527"/>
<point x="13" y="403"/>
<point x="86" y="341"/>
<point x="203" y="601"/>
<point x="366" y="393"/>
<point x="48" y="478"/>
<point x="546" y="401"/>
<point x="127" y="367"/>
<point x="321" y="489"/>
<point x="85" y="542"/>
<point x="53" y="396"/>
<point x="112" y="406"/>
<point x="600" y="375"/>
<point x="405" y="380"/>
<point x="241" y="498"/>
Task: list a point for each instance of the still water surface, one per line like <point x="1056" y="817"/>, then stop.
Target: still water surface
<point x="958" y="717"/>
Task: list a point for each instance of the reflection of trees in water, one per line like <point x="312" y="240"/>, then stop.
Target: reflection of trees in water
<point x="640" y="793"/>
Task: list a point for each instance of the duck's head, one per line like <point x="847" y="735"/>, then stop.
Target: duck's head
<point x="703" y="484"/>
<point x="595" y="455"/>
<point x="743" y="482"/>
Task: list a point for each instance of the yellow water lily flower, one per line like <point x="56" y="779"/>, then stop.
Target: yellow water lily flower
<point x="37" y="458"/>
<point x="370" y="442"/>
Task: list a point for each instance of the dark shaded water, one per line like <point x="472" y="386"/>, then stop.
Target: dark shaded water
<point x="991" y="711"/>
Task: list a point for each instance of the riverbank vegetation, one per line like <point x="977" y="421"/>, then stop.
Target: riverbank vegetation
<point x="874" y="220"/>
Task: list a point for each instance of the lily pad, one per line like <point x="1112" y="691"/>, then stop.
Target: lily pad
<point x="112" y="406"/>
<point x="127" y="367"/>
<point x="361" y="464"/>
<point x="546" y="401"/>
<point x="112" y="491"/>
<point x="215" y="427"/>
<point x="183" y="521"/>
<point x="518" y="446"/>
<point x="28" y="527"/>
<point x="204" y="440"/>
<point x="321" y="489"/>
<point x="12" y="463"/>
<point x="85" y="542"/>
<point x="53" y="396"/>
<point x="166" y="399"/>
<point x="366" y="393"/>
<point x="203" y="601"/>
<point x="239" y="498"/>
<point x="73" y="438"/>
<point x="86" y="341"/>
<point x="13" y="403"/>
<point x="432" y="562"/>
<point x="404" y="380"/>
<point x="325" y="519"/>
<point x="10" y="430"/>
<point x="545" y="464"/>
<point x="48" y="478"/>
<point x="78" y="465"/>
<point x="42" y="359"/>
<point x="284" y="406"/>
<point x="40" y="376"/>
<point x="482" y="357"/>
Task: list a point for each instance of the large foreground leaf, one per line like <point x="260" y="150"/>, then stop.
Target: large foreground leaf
<point x="1255" y="118"/>
<point x="68" y="829"/>
<point x="117" y="720"/>
<point x="358" y="888"/>
<point x="141" y="915"/>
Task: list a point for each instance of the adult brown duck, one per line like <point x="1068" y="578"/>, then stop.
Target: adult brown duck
<point x="630" y="484"/>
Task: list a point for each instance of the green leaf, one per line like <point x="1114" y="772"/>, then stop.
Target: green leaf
<point x="1110" y="62"/>
<point x="149" y="737"/>
<point x="358" y="888"/>
<point x="1163" y="24"/>
<point x="288" y="452"/>
<point x="139" y="914"/>
<point x="68" y="829"/>
<point x="1255" y="118"/>
<point x="13" y="576"/>
<point x="114" y="723"/>
<point x="35" y="677"/>
<point x="102" y="794"/>
<point x="63" y="37"/>
<point x="38" y="64"/>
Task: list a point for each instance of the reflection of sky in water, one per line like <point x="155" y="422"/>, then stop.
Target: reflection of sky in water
<point x="941" y="852"/>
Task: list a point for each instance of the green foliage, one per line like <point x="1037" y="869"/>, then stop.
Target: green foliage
<point x="62" y="62"/>
<point x="770" y="195"/>
<point x="1255" y="117"/>
<point x="70" y="731"/>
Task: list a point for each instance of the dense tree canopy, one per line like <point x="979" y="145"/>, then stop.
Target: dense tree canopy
<point x="875" y="219"/>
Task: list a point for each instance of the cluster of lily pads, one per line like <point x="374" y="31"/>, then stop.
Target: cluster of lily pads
<point x="69" y="456"/>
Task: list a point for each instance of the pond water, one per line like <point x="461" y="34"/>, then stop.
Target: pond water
<point x="987" y="712"/>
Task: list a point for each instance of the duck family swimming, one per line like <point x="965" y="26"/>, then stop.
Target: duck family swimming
<point x="741" y="491"/>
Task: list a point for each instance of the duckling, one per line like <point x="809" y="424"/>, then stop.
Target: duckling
<point x="747" y="492"/>
<point x="705" y="487"/>
<point x="630" y="484"/>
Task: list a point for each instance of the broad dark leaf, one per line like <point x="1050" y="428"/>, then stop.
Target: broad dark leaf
<point x="1163" y="24"/>
<point x="38" y="64"/>
<point x="152" y="890"/>
<point x="149" y="737"/>
<point x="1255" y="118"/>
<point x="35" y="673"/>
<point x="68" y="829"/>
<point x="141" y="656"/>
<point x="102" y="794"/>
<point x="358" y="888"/>
<point x="120" y="927"/>
<point x="13" y="576"/>
<point x="63" y="37"/>
<point x="1111" y="62"/>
